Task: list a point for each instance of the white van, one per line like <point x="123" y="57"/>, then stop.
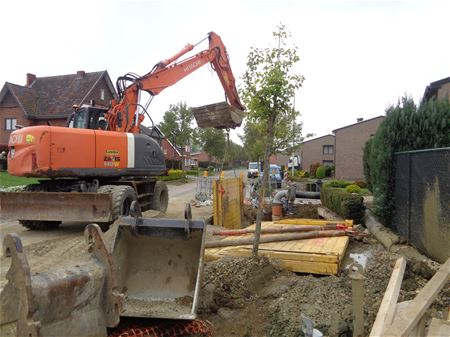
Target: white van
<point x="254" y="168"/>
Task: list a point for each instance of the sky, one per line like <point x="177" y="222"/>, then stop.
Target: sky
<point x="357" y="57"/>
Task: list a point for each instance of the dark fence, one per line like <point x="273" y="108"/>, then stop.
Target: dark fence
<point x="422" y="200"/>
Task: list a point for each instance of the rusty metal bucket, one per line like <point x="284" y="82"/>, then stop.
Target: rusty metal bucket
<point x="218" y="115"/>
<point x="159" y="263"/>
<point x="73" y="297"/>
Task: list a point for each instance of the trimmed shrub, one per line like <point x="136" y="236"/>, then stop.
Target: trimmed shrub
<point x="366" y="166"/>
<point x="313" y="168"/>
<point x="353" y="188"/>
<point x="173" y="175"/>
<point x="320" y="172"/>
<point x="347" y="205"/>
<point x="338" y="183"/>
<point x="193" y="172"/>
<point x="361" y="183"/>
<point x="329" y="170"/>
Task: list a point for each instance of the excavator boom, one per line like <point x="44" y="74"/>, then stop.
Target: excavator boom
<point x="123" y="116"/>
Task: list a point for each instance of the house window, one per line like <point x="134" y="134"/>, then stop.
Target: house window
<point x="10" y="123"/>
<point x="328" y="149"/>
<point x="102" y="94"/>
<point x="328" y="163"/>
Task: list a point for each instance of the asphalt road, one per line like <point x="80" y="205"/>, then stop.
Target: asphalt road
<point x="179" y="195"/>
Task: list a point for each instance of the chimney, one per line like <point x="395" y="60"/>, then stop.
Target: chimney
<point x="30" y="79"/>
<point x="359" y="120"/>
<point x="80" y="74"/>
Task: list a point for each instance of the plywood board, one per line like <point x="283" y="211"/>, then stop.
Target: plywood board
<point x="317" y="256"/>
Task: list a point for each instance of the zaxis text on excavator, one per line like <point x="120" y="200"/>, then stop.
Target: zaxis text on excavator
<point x="104" y="159"/>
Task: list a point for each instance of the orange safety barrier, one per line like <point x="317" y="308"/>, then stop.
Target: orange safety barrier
<point x="165" y="329"/>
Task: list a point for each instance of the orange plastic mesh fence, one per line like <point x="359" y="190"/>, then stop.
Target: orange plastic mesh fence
<point x="196" y="328"/>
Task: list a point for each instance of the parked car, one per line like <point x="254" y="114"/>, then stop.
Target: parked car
<point x="275" y="175"/>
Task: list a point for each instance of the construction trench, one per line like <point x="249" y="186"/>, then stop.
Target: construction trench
<point x="239" y="295"/>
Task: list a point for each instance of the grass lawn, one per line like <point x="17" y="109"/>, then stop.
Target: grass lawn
<point x="7" y="180"/>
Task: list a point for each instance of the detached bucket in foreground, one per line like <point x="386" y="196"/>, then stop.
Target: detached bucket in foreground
<point x="218" y="115"/>
<point x="159" y="263"/>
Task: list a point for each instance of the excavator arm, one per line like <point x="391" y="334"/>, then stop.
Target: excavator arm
<point x="124" y="116"/>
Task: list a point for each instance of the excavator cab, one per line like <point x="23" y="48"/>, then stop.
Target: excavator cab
<point x="88" y="117"/>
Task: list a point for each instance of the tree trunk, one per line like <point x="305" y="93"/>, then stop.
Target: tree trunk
<point x="262" y="191"/>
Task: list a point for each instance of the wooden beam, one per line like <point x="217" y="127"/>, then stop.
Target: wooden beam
<point x="409" y="318"/>
<point x="439" y="328"/>
<point x="419" y="329"/>
<point x="388" y="304"/>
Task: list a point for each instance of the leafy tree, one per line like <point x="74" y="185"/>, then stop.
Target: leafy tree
<point x="178" y="123"/>
<point x="269" y="87"/>
<point x="212" y="141"/>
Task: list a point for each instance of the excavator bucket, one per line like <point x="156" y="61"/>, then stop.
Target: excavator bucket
<point x="71" y="297"/>
<point x="139" y="268"/>
<point x="159" y="263"/>
<point x="218" y="115"/>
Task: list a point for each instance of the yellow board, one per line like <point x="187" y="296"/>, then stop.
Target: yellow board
<point x="227" y="202"/>
<point x="316" y="256"/>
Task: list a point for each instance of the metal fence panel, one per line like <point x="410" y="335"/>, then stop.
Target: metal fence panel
<point x="422" y="200"/>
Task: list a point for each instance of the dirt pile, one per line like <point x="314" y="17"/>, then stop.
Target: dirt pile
<point x="254" y="297"/>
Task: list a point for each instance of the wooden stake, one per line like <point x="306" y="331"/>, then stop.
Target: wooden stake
<point x="387" y="307"/>
<point x="407" y="320"/>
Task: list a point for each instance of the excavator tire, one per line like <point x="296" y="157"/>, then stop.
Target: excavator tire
<point x="160" y="198"/>
<point x="122" y="197"/>
<point x="39" y="225"/>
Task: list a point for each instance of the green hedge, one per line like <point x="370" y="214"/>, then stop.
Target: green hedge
<point x="193" y="172"/>
<point x="406" y="127"/>
<point x="347" y="205"/>
<point x="338" y="183"/>
<point x="173" y="175"/>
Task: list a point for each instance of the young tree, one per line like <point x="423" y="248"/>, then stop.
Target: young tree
<point x="269" y="88"/>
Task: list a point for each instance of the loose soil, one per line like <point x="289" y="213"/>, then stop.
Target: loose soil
<point x="245" y="297"/>
<point x="254" y="297"/>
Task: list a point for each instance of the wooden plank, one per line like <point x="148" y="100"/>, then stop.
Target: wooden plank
<point x="387" y="307"/>
<point x="419" y="329"/>
<point x="296" y="255"/>
<point x="439" y="328"/>
<point x="279" y="254"/>
<point x="312" y="222"/>
<point x="406" y="320"/>
<point x="293" y="265"/>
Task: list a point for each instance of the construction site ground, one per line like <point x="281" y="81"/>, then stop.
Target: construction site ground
<point x="254" y="296"/>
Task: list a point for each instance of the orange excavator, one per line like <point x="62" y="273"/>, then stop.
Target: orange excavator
<point x="104" y="159"/>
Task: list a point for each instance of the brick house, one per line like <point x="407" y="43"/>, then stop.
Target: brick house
<point x="318" y="150"/>
<point x="202" y="156"/>
<point x="279" y="159"/>
<point x="438" y="90"/>
<point x="349" y="142"/>
<point x="50" y="100"/>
